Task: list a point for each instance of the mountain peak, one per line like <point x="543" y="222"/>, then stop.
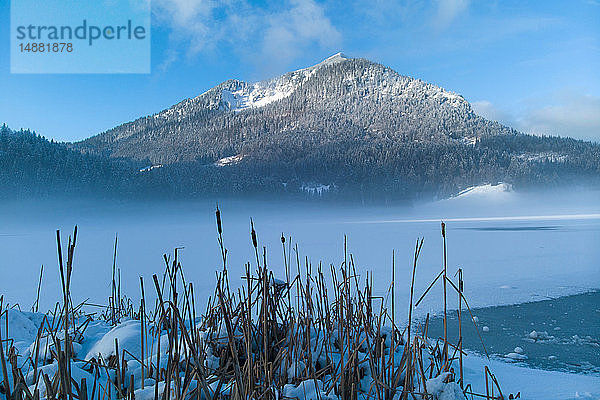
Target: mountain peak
<point x="337" y="57"/>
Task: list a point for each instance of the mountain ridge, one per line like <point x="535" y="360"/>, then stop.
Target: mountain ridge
<point x="342" y="128"/>
<point x="365" y="82"/>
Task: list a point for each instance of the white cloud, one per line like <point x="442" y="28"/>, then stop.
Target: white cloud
<point x="291" y="31"/>
<point x="191" y="21"/>
<point x="171" y="56"/>
<point x="567" y="114"/>
<point x="573" y="115"/>
<point x="184" y="12"/>
<point x="487" y="110"/>
<point x="278" y="35"/>
<point x="448" y="10"/>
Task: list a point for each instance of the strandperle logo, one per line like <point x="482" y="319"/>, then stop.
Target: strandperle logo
<point x="80" y="36"/>
<point x="84" y="31"/>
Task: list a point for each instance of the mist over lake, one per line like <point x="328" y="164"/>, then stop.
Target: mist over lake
<point x="512" y="247"/>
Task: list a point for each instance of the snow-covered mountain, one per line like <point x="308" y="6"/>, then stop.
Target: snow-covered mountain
<point x="346" y="124"/>
<point x="259" y="94"/>
<point x="336" y="99"/>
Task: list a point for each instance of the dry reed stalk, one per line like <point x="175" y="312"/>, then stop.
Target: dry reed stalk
<point x="36" y="306"/>
<point x="409" y="374"/>
<point x="5" y="382"/>
<point x="460" y="289"/>
<point x="445" y="301"/>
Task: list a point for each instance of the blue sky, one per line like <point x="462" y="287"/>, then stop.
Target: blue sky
<point x="532" y="65"/>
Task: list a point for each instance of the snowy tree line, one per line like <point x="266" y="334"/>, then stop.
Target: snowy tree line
<point x="30" y="165"/>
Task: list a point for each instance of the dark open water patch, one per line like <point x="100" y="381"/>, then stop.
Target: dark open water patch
<point x="559" y="334"/>
<point x="513" y="228"/>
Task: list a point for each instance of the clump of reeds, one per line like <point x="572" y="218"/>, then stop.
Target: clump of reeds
<point x="258" y="341"/>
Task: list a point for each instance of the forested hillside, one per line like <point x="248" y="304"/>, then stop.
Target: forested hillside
<point x="338" y="101"/>
<point x="344" y="128"/>
<point x="30" y="165"/>
<point x="350" y="126"/>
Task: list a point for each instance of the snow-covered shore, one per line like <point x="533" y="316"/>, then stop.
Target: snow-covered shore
<point x="99" y="340"/>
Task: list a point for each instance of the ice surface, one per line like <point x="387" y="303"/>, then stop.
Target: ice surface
<point x="574" y="348"/>
<point x="513" y="250"/>
<point x="534" y="384"/>
<point x="516" y="250"/>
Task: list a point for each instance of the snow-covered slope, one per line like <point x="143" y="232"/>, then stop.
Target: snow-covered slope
<point x="489" y="191"/>
<point x="261" y="93"/>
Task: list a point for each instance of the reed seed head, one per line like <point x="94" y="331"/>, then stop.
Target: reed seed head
<point x="218" y="214"/>
<point x="253" y="234"/>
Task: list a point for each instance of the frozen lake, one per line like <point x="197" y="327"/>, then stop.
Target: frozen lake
<point x="560" y="334"/>
<point x="513" y="248"/>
